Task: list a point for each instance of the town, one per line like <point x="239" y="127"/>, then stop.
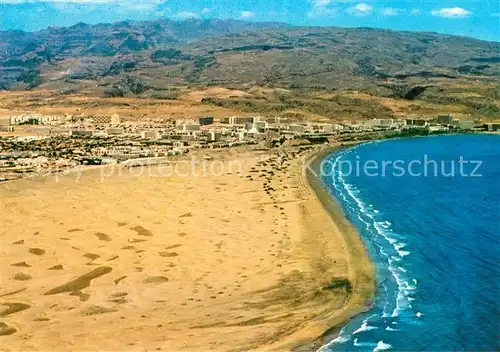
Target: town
<point x="32" y="144"/>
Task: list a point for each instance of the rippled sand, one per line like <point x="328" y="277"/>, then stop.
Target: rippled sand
<point x="141" y="262"/>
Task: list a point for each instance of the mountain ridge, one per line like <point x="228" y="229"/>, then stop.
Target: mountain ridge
<point x="265" y="23"/>
<point x="237" y="53"/>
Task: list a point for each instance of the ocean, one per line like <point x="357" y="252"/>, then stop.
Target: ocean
<point x="431" y="224"/>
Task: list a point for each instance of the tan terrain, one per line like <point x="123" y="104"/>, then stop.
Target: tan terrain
<point x="229" y="261"/>
<point x="478" y="101"/>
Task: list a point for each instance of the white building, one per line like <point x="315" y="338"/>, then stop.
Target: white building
<point x="466" y="124"/>
<point x="241" y="120"/>
<point x="188" y="127"/>
<point x="214" y="136"/>
<point x="115" y="119"/>
<point x="150" y="135"/>
<point x="179" y="122"/>
<point x="81" y="133"/>
<point x="114" y="131"/>
<point x="326" y="128"/>
<point x="26" y="118"/>
<point x="256" y="127"/>
<point x="296" y="128"/>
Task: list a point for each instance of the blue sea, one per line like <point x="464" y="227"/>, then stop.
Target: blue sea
<point x="434" y="236"/>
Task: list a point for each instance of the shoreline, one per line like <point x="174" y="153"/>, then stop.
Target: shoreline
<point x="357" y="247"/>
<point x="397" y="279"/>
<point x="363" y="271"/>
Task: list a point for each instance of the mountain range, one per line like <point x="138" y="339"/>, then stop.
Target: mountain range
<point x="166" y="60"/>
<point x="155" y="54"/>
<point x="100" y="50"/>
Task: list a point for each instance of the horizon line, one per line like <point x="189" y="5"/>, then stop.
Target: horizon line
<point x="247" y="21"/>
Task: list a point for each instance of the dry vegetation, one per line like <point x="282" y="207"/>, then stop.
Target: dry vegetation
<point x="480" y="101"/>
<point x="133" y="109"/>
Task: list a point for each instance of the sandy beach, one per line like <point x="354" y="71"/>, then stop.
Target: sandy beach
<point x="250" y="255"/>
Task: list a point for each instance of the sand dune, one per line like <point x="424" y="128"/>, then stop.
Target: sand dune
<point x="241" y="260"/>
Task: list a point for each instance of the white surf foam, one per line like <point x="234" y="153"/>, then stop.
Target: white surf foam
<point x="391" y="240"/>
<point x="381" y="346"/>
<point x="395" y="253"/>
<point x="403" y="289"/>
<point x="342" y="338"/>
<point x="403" y="253"/>
<point x="399" y="245"/>
<point x="384" y="225"/>
<point x="352" y="191"/>
<point x="363" y="344"/>
<point x="396" y="311"/>
<point x="383" y="252"/>
<point x="364" y="327"/>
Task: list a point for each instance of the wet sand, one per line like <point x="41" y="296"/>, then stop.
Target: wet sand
<point x="244" y="259"/>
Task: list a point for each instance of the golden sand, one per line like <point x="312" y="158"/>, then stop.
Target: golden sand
<point x="238" y="260"/>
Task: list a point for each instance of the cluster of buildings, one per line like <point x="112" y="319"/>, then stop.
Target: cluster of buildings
<point x="56" y="120"/>
<point x="64" y="141"/>
<point x="247" y="128"/>
<point x="442" y="122"/>
<point x="34" y="119"/>
<point x="449" y="121"/>
<point x="51" y="143"/>
<point x="492" y="127"/>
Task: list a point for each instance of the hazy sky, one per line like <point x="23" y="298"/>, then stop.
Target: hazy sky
<point x="475" y="18"/>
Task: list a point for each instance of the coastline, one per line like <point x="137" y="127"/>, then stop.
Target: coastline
<point x="402" y="299"/>
<point x="362" y="272"/>
<point x="329" y="222"/>
<point x="226" y="281"/>
<point x="363" y="275"/>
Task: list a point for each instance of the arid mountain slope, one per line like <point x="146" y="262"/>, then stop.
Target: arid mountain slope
<point x="220" y="67"/>
<point x="228" y="53"/>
